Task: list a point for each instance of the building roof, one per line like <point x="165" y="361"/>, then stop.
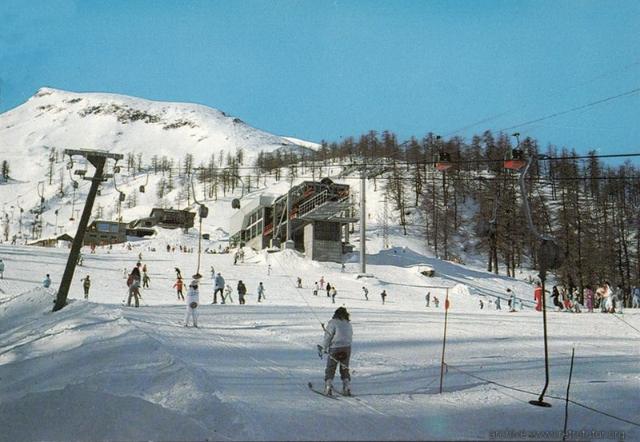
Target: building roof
<point x="62" y="237"/>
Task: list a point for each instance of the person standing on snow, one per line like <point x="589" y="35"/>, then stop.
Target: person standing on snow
<point x="577" y="307"/>
<point x="537" y="296"/>
<point x="299" y="282"/>
<point x="218" y="286"/>
<point x="86" y="285"/>
<point x="338" y="335"/>
<point x="322" y="282"/>
<point x="599" y="298"/>
<point x="242" y="290"/>
<point x="512" y="300"/>
<point x="315" y="289"/>
<point x="261" y="293"/>
<point x="498" y="304"/>
<point x="365" y="292"/>
<point x="145" y="279"/>
<point x="607" y="297"/>
<point x="136" y="273"/>
<point x="587" y="295"/>
<point x="46" y="283"/>
<point x="566" y="299"/>
<point x="134" y="286"/>
<point x="178" y="286"/>
<point x="555" y="296"/>
<point x="1" y="269"/>
<point x="193" y="300"/>
<point x="636" y="297"/>
<point x="617" y="299"/>
<point x="227" y="295"/>
<point x="427" y="298"/>
<point x="334" y="292"/>
<point x="328" y="289"/>
<point x="383" y="295"/>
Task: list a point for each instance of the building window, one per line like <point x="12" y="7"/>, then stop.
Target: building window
<point x="254" y="227"/>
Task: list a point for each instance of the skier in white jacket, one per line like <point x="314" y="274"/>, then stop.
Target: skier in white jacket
<point x="193" y="300"/>
<point x="337" y="344"/>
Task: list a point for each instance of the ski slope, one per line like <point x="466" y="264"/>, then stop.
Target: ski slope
<point x="98" y="370"/>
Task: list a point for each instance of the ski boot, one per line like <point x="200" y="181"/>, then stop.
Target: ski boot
<point x="328" y="387"/>
<point x="346" y="387"/>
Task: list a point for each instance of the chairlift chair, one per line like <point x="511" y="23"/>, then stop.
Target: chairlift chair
<point x="142" y="186"/>
<point x="515" y="159"/>
<point x="443" y="162"/>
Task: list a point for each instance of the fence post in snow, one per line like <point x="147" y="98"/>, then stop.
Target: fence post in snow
<point x="444" y="337"/>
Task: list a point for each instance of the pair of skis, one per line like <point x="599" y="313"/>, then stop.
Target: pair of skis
<point x="322" y="393"/>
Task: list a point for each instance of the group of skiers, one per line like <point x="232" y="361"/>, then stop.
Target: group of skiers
<point x="604" y="298"/>
<point x="182" y="249"/>
<point x="332" y="292"/>
<point x="436" y="301"/>
<point x="512" y="302"/>
<point x="193" y="296"/>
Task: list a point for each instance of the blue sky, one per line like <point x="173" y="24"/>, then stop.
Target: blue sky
<point x="323" y="70"/>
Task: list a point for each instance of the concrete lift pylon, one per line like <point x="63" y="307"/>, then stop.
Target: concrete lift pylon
<point x="97" y="158"/>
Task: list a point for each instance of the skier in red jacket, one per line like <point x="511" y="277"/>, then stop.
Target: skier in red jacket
<point x="537" y="296"/>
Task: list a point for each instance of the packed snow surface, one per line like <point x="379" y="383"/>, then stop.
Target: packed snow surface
<point x="99" y="370"/>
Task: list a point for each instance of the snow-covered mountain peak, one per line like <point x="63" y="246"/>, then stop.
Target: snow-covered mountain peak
<point x="123" y="124"/>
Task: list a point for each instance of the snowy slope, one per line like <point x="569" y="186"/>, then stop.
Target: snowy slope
<point x="99" y="370"/>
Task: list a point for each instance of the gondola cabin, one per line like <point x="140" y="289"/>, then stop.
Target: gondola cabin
<point x="515" y="161"/>
<point x="443" y="162"/>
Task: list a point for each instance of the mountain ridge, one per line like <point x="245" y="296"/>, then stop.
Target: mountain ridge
<point x="124" y="124"/>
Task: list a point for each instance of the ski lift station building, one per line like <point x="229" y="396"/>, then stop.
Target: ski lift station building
<point x="315" y="216"/>
<point x="167" y="219"/>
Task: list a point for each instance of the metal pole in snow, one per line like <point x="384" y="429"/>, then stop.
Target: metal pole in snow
<point x="444" y="337"/>
<point x="363" y="224"/>
<point x="566" y="404"/>
<point x="199" y="246"/>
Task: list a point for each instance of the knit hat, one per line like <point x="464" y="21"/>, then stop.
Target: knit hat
<point x="196" y="280"/>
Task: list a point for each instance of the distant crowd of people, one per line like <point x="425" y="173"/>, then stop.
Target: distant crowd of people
<point x="604" y="298"/>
